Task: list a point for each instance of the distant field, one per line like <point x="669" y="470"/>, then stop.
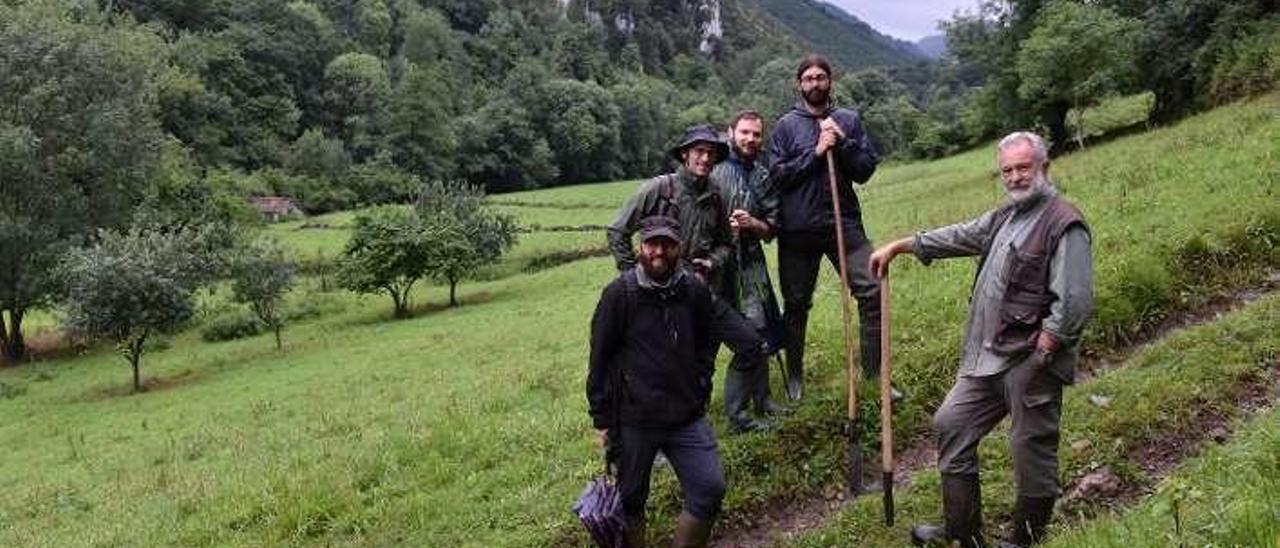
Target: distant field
<point x="546" y="229"/>
<point x="467" y="426"/>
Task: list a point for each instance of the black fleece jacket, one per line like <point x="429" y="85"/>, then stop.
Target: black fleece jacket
<point x="802" y="178"/>
<point x="651" y="337"/>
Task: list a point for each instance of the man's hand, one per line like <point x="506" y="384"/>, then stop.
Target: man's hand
<point x="741" y="220"/>
<point x="826" y="140"/>
<point x="829" y="124"/>
<point x="1047" y="343"/>
<point x="882" y="256"/>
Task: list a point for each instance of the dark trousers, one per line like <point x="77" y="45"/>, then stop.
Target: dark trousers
<point x="1032" y="397"/>
<point x="799" y="257"/>
<point x="691" y="449"/>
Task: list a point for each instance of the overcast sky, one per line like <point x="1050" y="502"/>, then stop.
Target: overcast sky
<point x="906" y="19"/>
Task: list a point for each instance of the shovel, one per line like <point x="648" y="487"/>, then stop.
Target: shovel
<point x="886" y="404"/>
<point x="851" y="427"/>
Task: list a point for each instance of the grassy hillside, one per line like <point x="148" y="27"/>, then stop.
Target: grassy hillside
<point x="467" y="426"/>
<point x="1157" y="394"/>
<point x="1223" y="498"/>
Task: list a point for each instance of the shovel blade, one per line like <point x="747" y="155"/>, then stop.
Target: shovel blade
<point x="888" y="498"/>
<point x="855" y="459"/>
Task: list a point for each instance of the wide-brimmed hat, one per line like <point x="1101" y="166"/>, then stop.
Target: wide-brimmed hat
<point x="659" y="225"/>
<point x="701" y="134"/>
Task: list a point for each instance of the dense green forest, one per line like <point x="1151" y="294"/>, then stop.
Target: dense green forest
<point x="345" y="102"/>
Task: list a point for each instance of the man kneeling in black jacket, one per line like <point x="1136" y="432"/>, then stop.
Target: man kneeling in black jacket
<point x="648" y="385"/>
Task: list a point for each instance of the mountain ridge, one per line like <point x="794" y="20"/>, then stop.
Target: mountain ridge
<point x="850" y="43"/>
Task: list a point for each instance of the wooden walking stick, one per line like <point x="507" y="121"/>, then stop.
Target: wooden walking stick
<point x="851" y="427"/>
<point x="886" y="403"/>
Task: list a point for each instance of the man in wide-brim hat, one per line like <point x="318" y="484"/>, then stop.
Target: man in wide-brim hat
<point x="688" y="197"/>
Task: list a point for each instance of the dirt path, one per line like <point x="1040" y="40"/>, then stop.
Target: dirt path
<point x="786" y="520"/>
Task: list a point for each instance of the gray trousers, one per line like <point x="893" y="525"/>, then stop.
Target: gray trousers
<point x="691" y="449"/>
<point x="1032" y="397"/>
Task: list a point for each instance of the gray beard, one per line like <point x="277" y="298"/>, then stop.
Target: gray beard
<point x="1023" y="198"/>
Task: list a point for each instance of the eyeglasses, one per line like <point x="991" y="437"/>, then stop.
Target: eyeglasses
<point x="815" y="78"/>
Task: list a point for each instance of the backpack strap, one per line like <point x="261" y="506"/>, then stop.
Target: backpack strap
<point x="668" y="205"/>
<point x="631" y="290"/>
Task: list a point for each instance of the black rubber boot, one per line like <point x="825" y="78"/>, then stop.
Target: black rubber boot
<point x="794" y="370"/>
<point x="692" y="532"/>
<point x="1030" y="518"/>
<point x="962" y="508"/>
<point x="737" y="399"/>
<point x="633" y="536"/>
<point x="869" y="347"/>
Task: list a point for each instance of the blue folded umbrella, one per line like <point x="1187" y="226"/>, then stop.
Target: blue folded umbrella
<point x="599" y="508"/>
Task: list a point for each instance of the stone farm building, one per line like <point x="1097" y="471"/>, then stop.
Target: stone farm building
<point x="276" y="208"/>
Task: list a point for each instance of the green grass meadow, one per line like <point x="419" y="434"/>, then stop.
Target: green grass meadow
<point x="467" y="426"/>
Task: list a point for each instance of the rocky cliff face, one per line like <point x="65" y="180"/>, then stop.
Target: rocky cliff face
<point x="710" y="24"/>
<point x="703" y="17"/>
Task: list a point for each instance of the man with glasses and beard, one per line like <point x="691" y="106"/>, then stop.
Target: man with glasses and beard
<point x="798" y="152"/>
<point x="649" y="382"/>
<point x="1031" y="298"/>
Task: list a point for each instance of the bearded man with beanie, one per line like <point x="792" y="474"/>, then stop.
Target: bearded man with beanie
<point x="649" y="382"/>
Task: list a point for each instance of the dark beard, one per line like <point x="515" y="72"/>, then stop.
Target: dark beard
<point x="817" y="97"/>
<point x="655" y="272"/>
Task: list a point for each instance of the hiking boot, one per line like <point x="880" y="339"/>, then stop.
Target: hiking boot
<point x="1030" y="518"/>
<point x="691" y="532"/>
<point x="962" y="508"/>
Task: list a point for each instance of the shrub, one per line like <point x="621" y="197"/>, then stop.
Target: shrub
<point x="1249" y="66"/>
<point x="237" y="324"/>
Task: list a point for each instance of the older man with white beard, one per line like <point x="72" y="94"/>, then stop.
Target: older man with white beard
<point x="1031" y="299"/>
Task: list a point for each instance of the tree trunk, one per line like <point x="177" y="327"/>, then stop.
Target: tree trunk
<point x="276" y="327"/>
<point x="137" y="376"/>
<point x="398" y="303"/>
<point x="1079" y="130"/>
<point x="1056" y="120"/>
<point x="135" y="359"/>
<point x="13" y="348"/>
<point x="453" y="291"/>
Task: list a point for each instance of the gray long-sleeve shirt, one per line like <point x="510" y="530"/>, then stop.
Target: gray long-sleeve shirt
<point x="1070" y="282"/>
